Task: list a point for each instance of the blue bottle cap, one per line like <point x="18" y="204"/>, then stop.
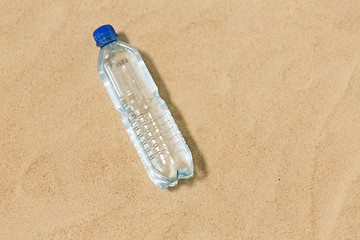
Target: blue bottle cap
<point x="104" y="35"/>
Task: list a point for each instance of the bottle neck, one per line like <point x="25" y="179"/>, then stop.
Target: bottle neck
<point x="106" y="40"/>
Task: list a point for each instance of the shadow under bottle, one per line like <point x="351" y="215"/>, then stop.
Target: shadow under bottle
<point x="200" y="170"/>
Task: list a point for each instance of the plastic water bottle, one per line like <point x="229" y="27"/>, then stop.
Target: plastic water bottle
<point x="147" y="119"/>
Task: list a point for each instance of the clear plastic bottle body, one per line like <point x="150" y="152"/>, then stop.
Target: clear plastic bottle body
<point x="148" y="121"/>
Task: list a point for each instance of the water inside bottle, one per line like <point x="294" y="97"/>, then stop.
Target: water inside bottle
<point x="146" y="117"/>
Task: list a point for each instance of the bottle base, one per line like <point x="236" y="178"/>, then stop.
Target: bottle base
<point x="163" y="182"/>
